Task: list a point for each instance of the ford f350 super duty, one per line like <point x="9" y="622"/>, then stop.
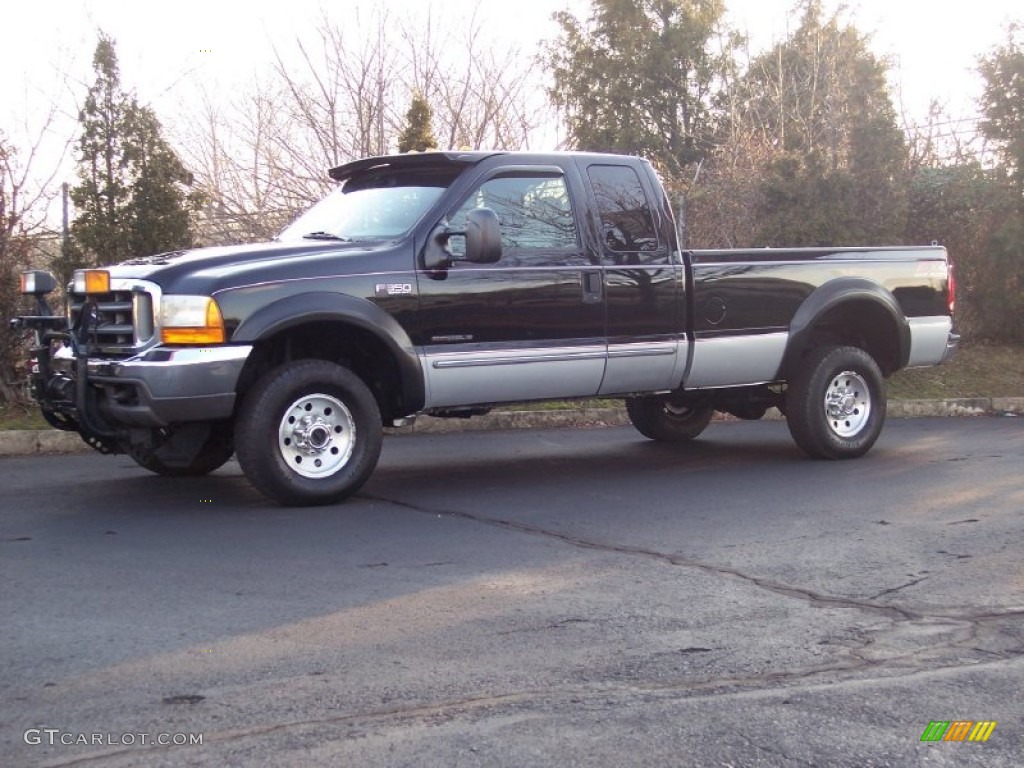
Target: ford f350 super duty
<point x="444" y="283"/>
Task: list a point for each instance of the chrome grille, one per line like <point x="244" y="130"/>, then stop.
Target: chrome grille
<point x="119" y="324"/>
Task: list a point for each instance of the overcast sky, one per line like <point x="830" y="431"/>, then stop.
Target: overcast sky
<point x="166" y="48"/>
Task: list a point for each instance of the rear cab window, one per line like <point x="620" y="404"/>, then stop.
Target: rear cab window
<point x="628" y="231"/>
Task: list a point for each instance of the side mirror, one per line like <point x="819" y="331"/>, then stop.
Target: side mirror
<point x="437" y="256"/>
<point x="483" y="241"/>
<point x="483" y="236"/>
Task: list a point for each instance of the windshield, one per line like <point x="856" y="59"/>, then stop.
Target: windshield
<point x="379" y="205"/>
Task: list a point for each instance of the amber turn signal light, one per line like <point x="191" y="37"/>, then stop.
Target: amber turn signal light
<point x="90" y="281"/>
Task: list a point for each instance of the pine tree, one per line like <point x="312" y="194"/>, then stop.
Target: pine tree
<point x="1000" y="286"/>
<point x="159" y="204"/>
<point x="132" y="198"/>
<point x="418" y="135"/>
<point x="100" y="229"/>
<point x="639" y="77"/>
<point x="821" y="99"/>
<point x="1003" y="105"/>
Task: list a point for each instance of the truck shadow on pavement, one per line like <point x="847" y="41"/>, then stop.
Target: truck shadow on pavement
<point x="534" y="461"/>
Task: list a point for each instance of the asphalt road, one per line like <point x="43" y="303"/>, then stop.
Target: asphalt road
<point x="548" y="597"/>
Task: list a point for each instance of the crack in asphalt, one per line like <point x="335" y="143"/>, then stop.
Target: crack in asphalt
<point x="893" y="590"/>
<point x="786" y="590"/>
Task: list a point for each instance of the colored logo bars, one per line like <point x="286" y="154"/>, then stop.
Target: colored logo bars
<point x="958" y="730"/>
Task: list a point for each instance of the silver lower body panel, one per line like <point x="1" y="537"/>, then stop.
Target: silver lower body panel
<point x="930" y="340"/>
<point x="507" y="373"/>
<point x="732" y="361"/>
<point x="645" y="366"/>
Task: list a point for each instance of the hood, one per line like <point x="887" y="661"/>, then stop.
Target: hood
<point x="205" y="270"/>
<point x="216" y="256"/>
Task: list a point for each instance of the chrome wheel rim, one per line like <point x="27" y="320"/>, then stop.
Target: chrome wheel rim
<point x="847" y="403"/>
<point x="316" y="436"/>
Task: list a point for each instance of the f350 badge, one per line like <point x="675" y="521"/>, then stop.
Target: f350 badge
<point x="393" y="289"/>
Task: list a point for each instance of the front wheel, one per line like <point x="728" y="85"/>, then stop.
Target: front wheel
<point x="308" y="433"/>
<point x="835" y="405"/>
<point x="668" y="418"/>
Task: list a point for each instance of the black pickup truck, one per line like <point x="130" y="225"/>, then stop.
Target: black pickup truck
<point x="446" y="282"/>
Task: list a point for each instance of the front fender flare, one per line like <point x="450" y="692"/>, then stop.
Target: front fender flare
<point x="321" y="306"/>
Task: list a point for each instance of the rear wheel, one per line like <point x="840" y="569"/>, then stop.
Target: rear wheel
<point x="309" y="433"/>
<point x="835" y="405"/>
<point x="669" y="418"/>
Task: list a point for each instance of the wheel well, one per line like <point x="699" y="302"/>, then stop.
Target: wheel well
<point x="356" y="348"/>
<point x="864" y="324"/>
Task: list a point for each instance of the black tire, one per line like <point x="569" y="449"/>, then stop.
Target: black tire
<point x="308" y="433"/>
<point x="835" y="405"/>
<point x="176" y="454"/>
<point x="668" y="418"/>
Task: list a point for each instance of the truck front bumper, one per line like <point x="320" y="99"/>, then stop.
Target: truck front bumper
<point x="169" y="384"/>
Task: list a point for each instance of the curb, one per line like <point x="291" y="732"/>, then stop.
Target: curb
<point x="52" y="441"/>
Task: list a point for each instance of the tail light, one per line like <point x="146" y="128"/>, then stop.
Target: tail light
<point x="950" y="288"/>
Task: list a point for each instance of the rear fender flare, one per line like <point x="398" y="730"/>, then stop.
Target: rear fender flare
<point x="831" y="296"/>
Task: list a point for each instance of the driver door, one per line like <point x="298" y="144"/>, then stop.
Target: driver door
<point x="530" y="326"/>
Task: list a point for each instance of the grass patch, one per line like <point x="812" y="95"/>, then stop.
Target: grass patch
<point x="21" y="417"/>
<point x="977" y="370"/>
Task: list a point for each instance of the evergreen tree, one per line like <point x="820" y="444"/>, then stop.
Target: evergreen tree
<point x="639" y="78"/>
<point x="965" y="206"/>
<point x="1000" y="285"/>
<point x="159" y="204"/>
<point x="132" y="197"/>
<point x="1002" y="103"/>
<point x="100" y="228"/>
<point x="821" y="99"/>
<point x="418" y="135"/>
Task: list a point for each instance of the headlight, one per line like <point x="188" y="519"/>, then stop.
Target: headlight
<point x="191" y="320"/>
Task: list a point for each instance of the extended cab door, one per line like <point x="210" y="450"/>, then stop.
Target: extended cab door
<point x="644" y="279"/>
<point x="530" y="326"/>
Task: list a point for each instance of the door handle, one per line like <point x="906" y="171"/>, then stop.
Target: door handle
<point x="592" y="287"/>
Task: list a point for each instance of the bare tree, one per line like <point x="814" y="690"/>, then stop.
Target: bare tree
<point x="339" y="94"/>
<point x="941" y="139"/>
<point x="724" y="198"/>
<point x="24" y="201"/>
<point x="341" y="99"/>
<point x="483" y="93"/>
<point x="261" y="157"/>
<point x="232" y="148"/>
